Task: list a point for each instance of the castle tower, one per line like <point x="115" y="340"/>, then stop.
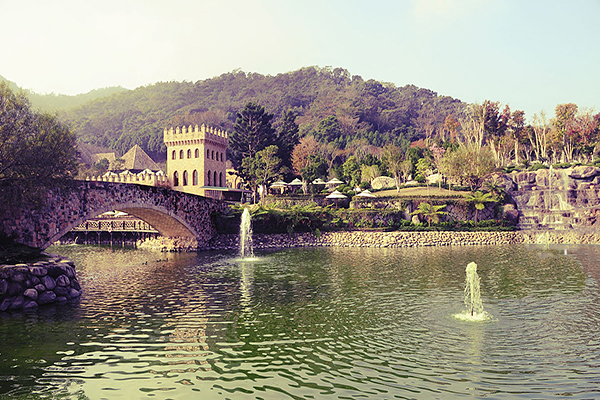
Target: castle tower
<point x="196" y="159"/>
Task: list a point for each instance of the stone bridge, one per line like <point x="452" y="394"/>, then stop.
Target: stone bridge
<point x="171" y="213"/>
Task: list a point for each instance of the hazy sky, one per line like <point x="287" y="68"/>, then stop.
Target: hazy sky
<point x="531" y="54"/>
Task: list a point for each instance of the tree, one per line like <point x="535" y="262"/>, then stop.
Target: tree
<point x="287" y="139"/>
<point x="429" y="211"/>
<point x="316" y="167"/>
<point x="262" y="169"/>
<point x="252" y="133"/>
<point x="479" y="199"/>
<point x="393" y="158"/>
<point x="101" y="166"/>
<point x="539" y="136"/>
<point x="36" y="149"/>
<point x="307" y="146"/>
<point x="565" y="128"/>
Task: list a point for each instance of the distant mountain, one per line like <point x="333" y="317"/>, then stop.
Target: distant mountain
<point x="58" y="102"/>
<point x="330" y="103"/>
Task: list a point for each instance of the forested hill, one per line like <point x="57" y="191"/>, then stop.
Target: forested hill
<point x="330" y="103"/>
<point x="57" y="102"/>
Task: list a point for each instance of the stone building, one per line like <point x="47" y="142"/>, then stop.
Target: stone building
<point x="196" y="161"/>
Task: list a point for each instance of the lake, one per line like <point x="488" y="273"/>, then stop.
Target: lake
<point x="313" y="323"/>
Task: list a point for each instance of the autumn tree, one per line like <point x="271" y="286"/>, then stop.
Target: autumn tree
<point x="307" y="146"/>
<point x="565" y="130"/>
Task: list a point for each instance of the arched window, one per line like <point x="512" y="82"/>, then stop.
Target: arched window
<point x="221" y="179"/>
<point x="215" y="180"/>
<point x="175" y="179"/>
<point x="213" y="155"/>
<point x="189" y="153"/>
<point x="173" y="155"/>
<point x="195" y="177"/>
<point x="197" y="153"/>
<point x="208" y="183"/>
<point x="221" y="157"/>
<point x="207" y="154"/>
<point x="185" y="178"/>
<point x="181" y="154"/>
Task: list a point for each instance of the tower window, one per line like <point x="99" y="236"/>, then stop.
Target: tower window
<point x="175" y="178"/>
<point x="195" y="177"/>
<point x="197" y="153"/>
<point x="173" y="155"/>
<point x="181" y="154"/>
<point x="185" y="178"/>
<point x="189" y="153"/>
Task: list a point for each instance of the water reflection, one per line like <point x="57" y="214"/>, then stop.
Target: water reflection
<point x="312" y="323"/>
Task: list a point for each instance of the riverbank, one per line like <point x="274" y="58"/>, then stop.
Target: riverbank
<point x="375" y="239"/>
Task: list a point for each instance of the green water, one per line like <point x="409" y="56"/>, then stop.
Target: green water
<point x="339" y="323"/>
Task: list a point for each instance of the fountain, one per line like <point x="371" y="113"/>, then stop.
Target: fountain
<point x="246" y="250"/>
<point x="474" y="306"/>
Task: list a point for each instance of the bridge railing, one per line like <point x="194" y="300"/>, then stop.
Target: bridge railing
<point x="115" y="226"/>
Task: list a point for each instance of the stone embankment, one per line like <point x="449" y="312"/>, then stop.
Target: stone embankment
<point x="342" y="239"/>
<point x="27" y="286"/>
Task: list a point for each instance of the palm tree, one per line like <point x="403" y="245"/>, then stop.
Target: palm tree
<point x="495" y="187"/>
<point x="430" y="211"/>
<point x="479" y="199"/>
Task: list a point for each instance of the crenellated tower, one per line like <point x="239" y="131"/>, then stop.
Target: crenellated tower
<point x="196" y="159"/>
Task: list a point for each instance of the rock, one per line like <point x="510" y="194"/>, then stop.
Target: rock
<point x="61" y="291"/>
<point x="38" y="271"/>
<point x="583" y="172"/>
<point x="31" y="293"/>
<point x="383" y="182"/>
<point x="49" y="282"/>
<point x="73" y="293"/>
<point x="29" y="305"/>
<point x="15" y="288"/>
<point x="415" y="220"/>
<point x="61" y="300"/>
<point x="40" y="288"/>
<point x="3" y="286"/>
<point x="46" y="297"/>
<point x="5" y="304"/>
<point x="63" y="280"/>
<point x="18" y="276"/>
<point x="17" y="303"/>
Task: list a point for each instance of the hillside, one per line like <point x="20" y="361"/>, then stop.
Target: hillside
<point x="330" y="103"/>
<point x="57" y="102"/>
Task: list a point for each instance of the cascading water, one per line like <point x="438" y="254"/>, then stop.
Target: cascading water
<point x="474" y="306"/>
<point x="246" y="250"/>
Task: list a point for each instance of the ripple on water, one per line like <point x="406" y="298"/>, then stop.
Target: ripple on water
<point x="315" y="323"/>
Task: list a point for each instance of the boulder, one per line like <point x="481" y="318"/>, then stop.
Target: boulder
<point x="383" y="182"/>
<point x="510" y="214"/>
<point x="584" y="172"/>
<point x="49" y="282"/>
<point x="31" y="293"/>
<point x="38" y="271"/>
<point x="63" y="280"/>
<point x="46" y="297"/>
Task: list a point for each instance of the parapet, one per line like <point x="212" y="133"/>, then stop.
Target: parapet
<point x="183" y="133"/>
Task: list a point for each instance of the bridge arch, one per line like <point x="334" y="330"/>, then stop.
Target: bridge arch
<point x="171" y="213"/>
<point x="158" y="217"/>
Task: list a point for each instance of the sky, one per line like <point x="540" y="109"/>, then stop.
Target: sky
<point x="530" y="54"/>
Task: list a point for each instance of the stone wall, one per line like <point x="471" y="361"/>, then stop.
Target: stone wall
<point x="556" y="198"/>
<point x="27" y="286"/>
